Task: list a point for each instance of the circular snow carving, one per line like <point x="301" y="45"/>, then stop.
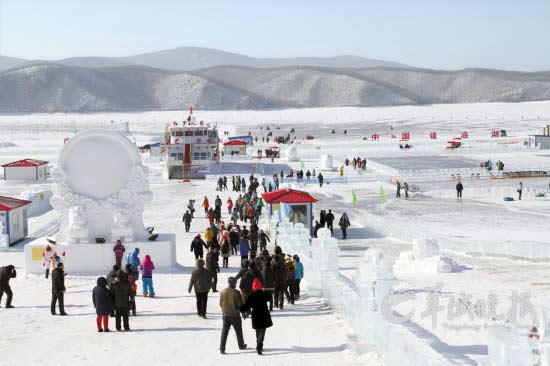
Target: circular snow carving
<point x="98" y="163"/>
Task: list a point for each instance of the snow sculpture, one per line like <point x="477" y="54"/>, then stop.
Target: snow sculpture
<point x="424" y="258"/>
<point x="326" y="162"/>
<point x="100" y="188"/>
<point x="292" y="153"/>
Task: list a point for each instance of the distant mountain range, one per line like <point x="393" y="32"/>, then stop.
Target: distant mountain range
<point x="194" y="58"/>
<point x="220" y="80"/>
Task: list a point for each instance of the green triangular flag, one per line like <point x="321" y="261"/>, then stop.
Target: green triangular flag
<point x="354" y="198"/>
<point x="382" y="195"/>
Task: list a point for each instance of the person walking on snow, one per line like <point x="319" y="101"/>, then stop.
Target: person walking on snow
<point x="201" y="281"/>
<point x="398" y="189"/>
<point x="187" y="218"/>
<point x="197" y="246"/>
<point x="103" y="304"/>
<point x="261" y="318"/>
<point x="459" y="189"/>
<point x="344" y="223"/>
<point x="244" y="247"/>
<point x="119" y="250"/>
<point x="230" y="304"/>
<point x="147" y="268"/>
<point x="406" y="189"/>
<point x="329" y="217"/>
<point x="213" y="267"/>
<point x="132" y="280"/>
<point x="320" y="178"/>
<point x="520" y="190"/>
<point x="229" y="205"/>
<point x="299" y="275"/>
<point x="205" y="205"/>
<point x="6" y="274"/>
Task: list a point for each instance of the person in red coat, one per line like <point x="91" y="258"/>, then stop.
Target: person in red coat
<point x="261" y="318"/>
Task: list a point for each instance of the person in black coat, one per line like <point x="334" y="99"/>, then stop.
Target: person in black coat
<point x="234" y="241"/>
<point x="280" y="276"/>
<point x="197" y="246"/>
<point x="213" y="267"/>
<point x="187" y="218"/>
<point x="103" y="304"/>
<point x="58" y="289"/>
<point x="6" y="274"/>
<point x="253" y="236"/>
<point x="330" y="220"/>
<point x="121" y="291"/>
<point x="269" y="282"/>
<point x="261" y="318"/>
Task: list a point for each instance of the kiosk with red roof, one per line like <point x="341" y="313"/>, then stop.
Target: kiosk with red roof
<point x="234" y="147"/>
<point x="291" y="203"/>
<point x="26" y="170"/>
<point x="13" y="220"/>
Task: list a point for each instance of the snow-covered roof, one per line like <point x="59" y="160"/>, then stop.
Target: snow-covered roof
<point x="8" y="203"/>
<point x="235" y="143"/>
<point x="288" y="196"/>
<point x="25" y="163"/>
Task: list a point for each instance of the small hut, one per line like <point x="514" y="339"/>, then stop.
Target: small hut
<point x="26" y="170"/>
<point x="291" y="203"/>
<point x="13" y="220"/>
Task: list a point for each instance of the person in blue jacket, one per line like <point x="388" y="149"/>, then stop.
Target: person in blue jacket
<point x="299" y="275"/>
<point x="244" y="248"/>
<point x="133" y="260"/>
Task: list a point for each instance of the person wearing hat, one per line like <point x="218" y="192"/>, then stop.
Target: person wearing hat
<point x="230" y="303"/>
<point x="261" y="318"/>
<point x="121" y="293"/>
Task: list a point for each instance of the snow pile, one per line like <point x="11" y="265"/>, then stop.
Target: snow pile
<point x="40" y="201"/>
<point x="326" y="162"/>
<point x="292" y="153"/>
<point x="100" y="189"/>
<point x="424" y="258"/>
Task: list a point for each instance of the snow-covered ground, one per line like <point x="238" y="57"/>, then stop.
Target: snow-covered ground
<point x="167" y="330"/>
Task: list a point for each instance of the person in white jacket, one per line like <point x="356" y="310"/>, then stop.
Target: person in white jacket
<point x="49" y="259"/>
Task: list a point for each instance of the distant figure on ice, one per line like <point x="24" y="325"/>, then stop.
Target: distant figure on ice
<point x="261" y="319"/>
<point x="187" y="218"/>
<point x="6" y="274"/>
<point x="341" y="171"/>
<point x="459" y="189"/>
<point x="520" y="190"/>
<point x="406" y="189"/>
<point x="329" y="217"/>
<point x="147" y="268"/>
<point x="103" y="304"/>
<point x="121" y="293"/>
<point x="230" y="303"/>
<point x="200" y="280"/>
<point x="299" y="275"/>
<point x="205" y="205"/>
<point x="132" y="280"/>
<point x="344" y="223"/>
<point x="58" y="289"/>
<point x="244" y="247"/>
<point x="320" y="178"/>
<point x="119" y="250"/>
<point x="398" y="189"/>
<point x="280" y="275"/>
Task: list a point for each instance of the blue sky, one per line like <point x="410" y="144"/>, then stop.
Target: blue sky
<point x="445" y="34"/>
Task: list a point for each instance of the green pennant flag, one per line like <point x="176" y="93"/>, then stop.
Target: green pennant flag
<point x="354" y="198"/>
<point x="382" y="195"/>
<point x="303" y="165"/>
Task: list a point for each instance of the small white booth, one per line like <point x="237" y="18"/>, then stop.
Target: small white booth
<point x="26" y="170"/>
<point x="13" y="220"/>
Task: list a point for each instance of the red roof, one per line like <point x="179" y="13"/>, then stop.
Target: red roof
<point x="25" y="163"/>
<point x="235" y="143"/>
<point x="288" y="196"/>
<point x="8" y="203"/>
